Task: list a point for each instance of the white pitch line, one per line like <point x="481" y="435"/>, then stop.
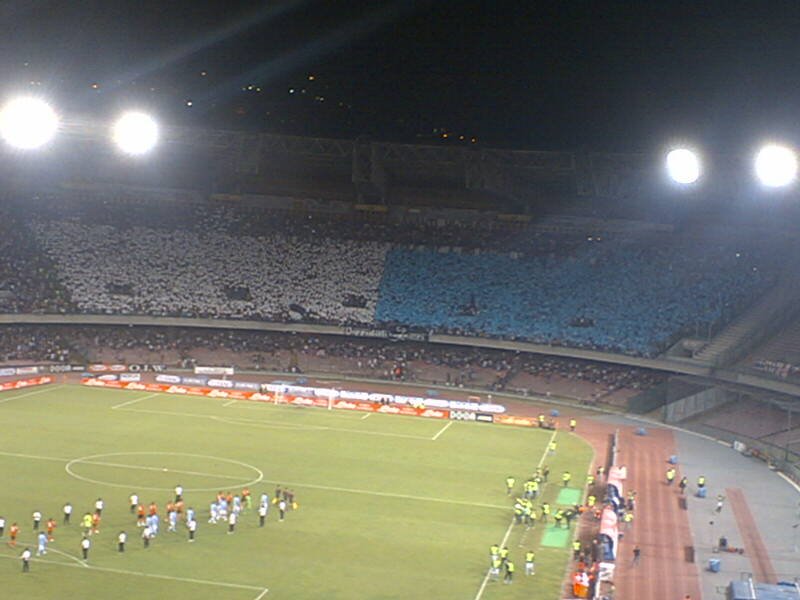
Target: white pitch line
<point x="57" y="551"/>
<point x="511" y="525"/>
<point x="365" y="416"/>
<point x="262" y="594"/>
<point x="143" y="468"/>
<point x="295" y="484"/>
<point x="330" y="488"/>
<point x="134" y="401"/>
<point x="34" y="456"/>
<point x="229" y="402"/>
<point x="250" y="423"/>
<point x="240" y="586"/>
<point x="117" y="465"/>
<point x="46" y="388"/>
<point x="442" y="430"/>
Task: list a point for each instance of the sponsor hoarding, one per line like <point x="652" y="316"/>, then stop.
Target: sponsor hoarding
<point x="120" y="368"/>
<point x="295" y="400"/>
<point x="23" y="383"/>
<point x="462" y="415"/>
<point x="247" y="385"/>
<point x="220" y="383"/>
<point x="510" y="420"/>
<point x="198" y="370"/>
<point x="413" y="401"/>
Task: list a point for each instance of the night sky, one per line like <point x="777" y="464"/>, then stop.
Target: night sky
<point x="538" y="75"/>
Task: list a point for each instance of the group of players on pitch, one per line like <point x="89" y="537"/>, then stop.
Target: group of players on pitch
<point x="225" y="508"/>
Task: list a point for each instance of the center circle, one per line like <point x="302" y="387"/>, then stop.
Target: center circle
<point x="96" y="459"/>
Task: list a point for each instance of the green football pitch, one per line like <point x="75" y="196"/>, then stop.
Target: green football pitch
<point x="389" y="506"/>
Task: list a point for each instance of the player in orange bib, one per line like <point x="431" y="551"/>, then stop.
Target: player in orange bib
<point x="95" y="523"/>
<point x="13" y="533"/>
<point x="51" y="526"/>
<point x="179" y="507"/>
<point x="153" y="509"/>
<point x="140" y="515"/>
<point x="170" y="507"/>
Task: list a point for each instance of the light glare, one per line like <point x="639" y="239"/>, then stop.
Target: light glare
<point x="683" y="166"/>
<point x="28" y="123"/>
<point x="776" y="166"/>
<point x="135" y="133"/>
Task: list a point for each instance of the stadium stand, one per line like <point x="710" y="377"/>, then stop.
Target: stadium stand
<point x="621" y="295"/>
<point x="780" y="356"/>
<point x="461" y="367"/>
<point x="748" y="418"/>
<point x="628" y="292"/>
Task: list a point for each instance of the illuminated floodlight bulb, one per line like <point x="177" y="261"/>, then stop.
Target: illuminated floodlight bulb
<point x="28" y="123"/>
<point x="683" y="166"/>
<point x="776" y="166"/>
<point x="135" y="133"/>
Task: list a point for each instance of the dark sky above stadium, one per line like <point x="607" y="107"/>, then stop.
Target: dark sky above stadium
<point x="541" y="75"/>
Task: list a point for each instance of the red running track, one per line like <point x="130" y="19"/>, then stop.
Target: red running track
<point x="763" y="570"/>
<point x="660" y="527"/>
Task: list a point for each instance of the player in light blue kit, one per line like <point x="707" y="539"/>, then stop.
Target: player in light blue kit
<point x="42" y="549"/>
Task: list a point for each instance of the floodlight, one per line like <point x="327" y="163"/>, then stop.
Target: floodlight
<point x="135" y="133"/>
<point x="28" y="123"/>
<point x="683" y="166"/>
<point x="776" y="166"/>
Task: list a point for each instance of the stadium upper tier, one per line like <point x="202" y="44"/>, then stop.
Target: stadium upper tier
<point x="626" y="293"/>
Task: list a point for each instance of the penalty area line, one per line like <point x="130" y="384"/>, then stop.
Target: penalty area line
<point x="511" y="525"/>
<point x="441" y="431"/>
<point x="262" y="594"/>
<point x="134" y="401"/>
<point x="45" y="388"/>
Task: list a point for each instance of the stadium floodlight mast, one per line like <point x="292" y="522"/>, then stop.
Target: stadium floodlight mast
<point x="776" y="166"/>
<point x="28" y="123"/>
<point x="135" y="133"/>
<point x="683" y="166"/>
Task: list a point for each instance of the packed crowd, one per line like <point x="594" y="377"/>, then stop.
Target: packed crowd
<point x="28" y="279"/>
<point x="631" y="297"/>
<point x="620" y="293"/>
<point x="22" y="345"/>
<point x="213" y="274"/>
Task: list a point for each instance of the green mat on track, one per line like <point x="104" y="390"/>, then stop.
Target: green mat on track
<point x="568" y="496"/>
<point x="555" y="538"/>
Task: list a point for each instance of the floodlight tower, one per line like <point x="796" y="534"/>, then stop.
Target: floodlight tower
<point x="776" y="165"/>
<point x="28" y="123"/>
<point x="683" y="166"/>
<point x="135" y="133"/>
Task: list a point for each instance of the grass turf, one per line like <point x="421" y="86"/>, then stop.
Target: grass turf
<point x="568" y="496"/>
<point x="385" y="511"/>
